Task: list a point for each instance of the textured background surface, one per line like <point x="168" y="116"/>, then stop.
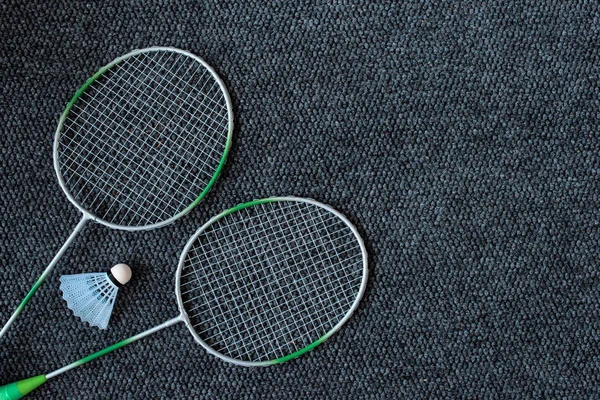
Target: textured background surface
<point x="460" y="137"/>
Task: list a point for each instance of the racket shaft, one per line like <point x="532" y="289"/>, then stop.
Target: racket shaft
<point x="42" y="277"/>
<point x="113" y="347"/>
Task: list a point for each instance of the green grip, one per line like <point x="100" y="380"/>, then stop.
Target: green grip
<point x="17" y="390"/>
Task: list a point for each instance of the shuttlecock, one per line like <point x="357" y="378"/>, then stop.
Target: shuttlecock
<point x="92" y="296"/>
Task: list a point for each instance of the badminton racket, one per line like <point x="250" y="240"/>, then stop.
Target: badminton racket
<point x="260" y="284"/>
<point x="141" y="143"/>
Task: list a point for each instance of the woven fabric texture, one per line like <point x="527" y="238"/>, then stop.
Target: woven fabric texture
<point x="460" y="137"/>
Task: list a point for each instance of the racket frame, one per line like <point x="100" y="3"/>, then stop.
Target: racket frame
<point x="87" y="215"/>
<point x="311" y="346"/>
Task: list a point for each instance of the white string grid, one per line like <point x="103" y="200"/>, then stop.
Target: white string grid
<point x="270" y="279"/>
<point x="144" y="140"/>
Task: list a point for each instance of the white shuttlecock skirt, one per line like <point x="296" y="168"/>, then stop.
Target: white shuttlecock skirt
<point x="91" y="297"/>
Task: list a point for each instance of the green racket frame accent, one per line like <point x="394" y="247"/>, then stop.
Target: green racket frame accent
<point x="300" y="352"/>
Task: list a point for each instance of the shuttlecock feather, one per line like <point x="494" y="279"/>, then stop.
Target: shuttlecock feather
<point x="92" y="296"/>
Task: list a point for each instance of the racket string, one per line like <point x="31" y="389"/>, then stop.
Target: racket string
<point x="122" y="157"/>
<point x="215" y="258"/>
<point x="323" y="303"/>
<point x="205" y="293"/>
<point x="283" y="289"/>
<point x="107" y="76"/>
<point x="145" y="143"/>
<point x="93" y="93"/>
<point x="244" y="270"/>
<point x="140" y="148"/>
<point x="240" y="344"/>
<point x="312" y="230"/>
<point x="294" y="325"/>
<point x="244" y="320"/>
<point x="225" y="245"/>
<point x="226" y="239"/>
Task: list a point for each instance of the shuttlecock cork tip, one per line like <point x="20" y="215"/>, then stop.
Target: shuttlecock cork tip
<point x="121" y="273"/>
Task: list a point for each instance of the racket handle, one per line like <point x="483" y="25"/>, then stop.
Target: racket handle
<point x="17" y="390"/>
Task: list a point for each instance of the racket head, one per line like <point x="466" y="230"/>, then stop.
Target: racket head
<point x="201" y="257"/>
<point x="171" y="119"/>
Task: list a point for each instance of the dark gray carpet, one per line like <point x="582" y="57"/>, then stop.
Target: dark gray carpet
<point x="460" y="137"/>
